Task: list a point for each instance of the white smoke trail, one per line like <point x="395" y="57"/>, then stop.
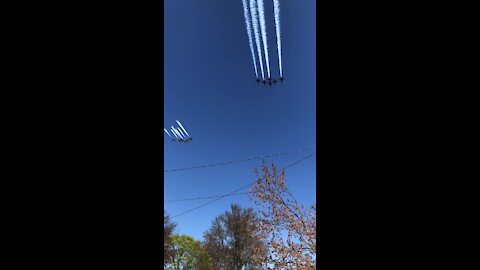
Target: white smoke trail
<point x="261" y="14"/>
<point x="181" y="133"/>
<point x="167" y="132"/>
<point x="178" y="133"/>
<point x="253" y="11"/>
<point x="276" y="9"/>
<point x="173" y="132"/>
<point x="180" y="124"/>
<point x="249" y="32"/>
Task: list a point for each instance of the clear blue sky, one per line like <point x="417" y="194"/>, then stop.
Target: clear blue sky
<point x="210" y="87"/>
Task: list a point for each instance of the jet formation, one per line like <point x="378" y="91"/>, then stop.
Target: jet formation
<point x="255" y="23"/>
<point x="180" y="133"/>
<point x="269" y="81"/>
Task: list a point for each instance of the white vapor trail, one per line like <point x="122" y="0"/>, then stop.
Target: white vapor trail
<point x="178" y="133"/>
<point x="174" y="134"/>
<point x="181" y="133"/>
<point x="249" y="32"/>
<point x="276" y="9"/>
<point x="261" y="14"/>
<point x="253" y="11"/>
<point x="180" y="124"/>
<point x="167" y="132"/>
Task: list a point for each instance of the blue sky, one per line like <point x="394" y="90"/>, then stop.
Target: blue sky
<point x="210" y="87"/>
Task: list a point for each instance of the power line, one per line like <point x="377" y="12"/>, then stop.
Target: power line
<point x="222" y="196"/>
<point x="237" y="161"/>
<point x="230" y="194"/>
<point x="236" y="190"/>
<point x="202" y="198"/>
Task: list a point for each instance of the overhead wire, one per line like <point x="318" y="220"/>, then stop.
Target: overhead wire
<point x="237" y="161"/>
<point x="203" y="198"/>
<point x="236" y="190"/>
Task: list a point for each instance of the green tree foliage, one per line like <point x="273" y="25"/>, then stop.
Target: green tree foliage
<point x="188" y="254"/>
<point x="168" y="228"/>
<point x="231" y="240"/>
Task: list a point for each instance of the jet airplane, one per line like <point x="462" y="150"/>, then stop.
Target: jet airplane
<point x="181" y="135"/>
<point x="184" y="133"/>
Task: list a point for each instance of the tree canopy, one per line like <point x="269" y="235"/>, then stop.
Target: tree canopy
<point x="231" y="240"/>
<point x="168" y="228"/>
<point x="188" y="254"/>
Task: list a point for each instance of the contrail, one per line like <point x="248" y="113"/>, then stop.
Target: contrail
<point x="178" y="133"/>
<point x="253" y="11"/>
<point x="261" y="14"/>
<point x="181" y="133"/>
<point x="167" y="132"/>
<point x="174" y="134"/>
<point x="249" y="32"/>
<point x="180" y="124"/>
<point x="276" y="9"/>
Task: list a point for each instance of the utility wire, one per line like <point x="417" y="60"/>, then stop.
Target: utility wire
<point x="236" y="190"/>
<point x="202" y="198"/>
<point x="237" y="161"/>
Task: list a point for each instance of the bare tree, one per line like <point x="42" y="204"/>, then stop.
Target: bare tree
<point x="231" y="241"/>
<point x="282" y="214"/>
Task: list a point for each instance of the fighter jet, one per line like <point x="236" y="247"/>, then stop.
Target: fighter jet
<point x="269" y="78"/>
<point x="177" y="134"/>
<point x="281" y="79"/>
<point x="185" y="138"/>
<point x="180" y="134"/>
<point x="264" y="82"/>
<point x="189" y="138"/>
<point x="258" y="81"/>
